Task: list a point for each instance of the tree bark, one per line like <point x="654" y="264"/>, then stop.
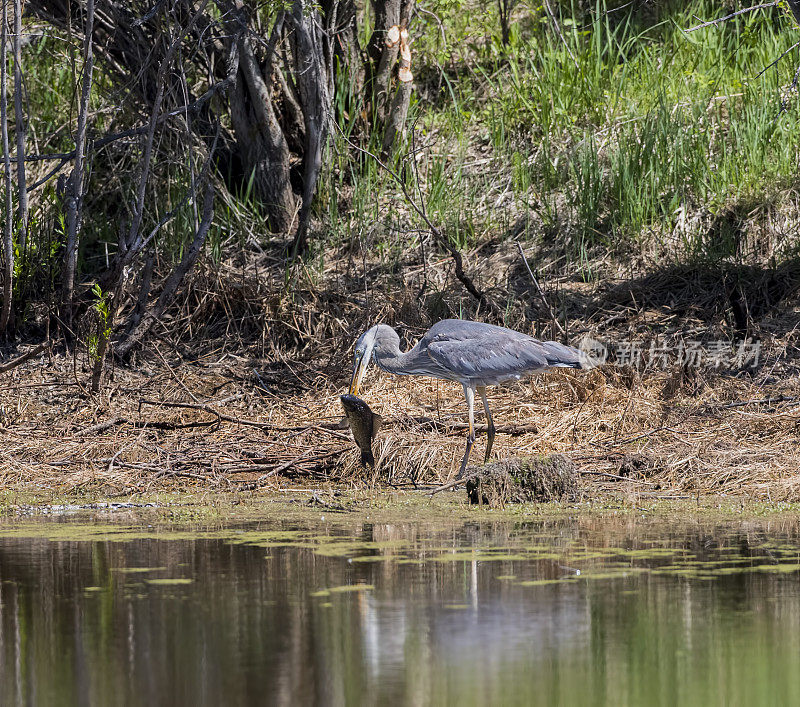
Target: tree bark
<point x="794" y="6"/>
<point x="398" y="111"/>
<point x="382" y="53"/>
<point x="8" y="232"/>
<point x="262" y="144"/>
<point x="21" y="129"/>
<point x="313" y="76"/>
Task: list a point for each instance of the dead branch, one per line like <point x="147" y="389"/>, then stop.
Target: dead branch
<point x="175" y="278"/>
<point x="74" y="195"/>
<point x="421" y="211"/>
<point x="540" y="292"/>
<point x="792" y="5"/>
<point x="206" y="407"/>
<point x="21" y="129"/>
<point x="5" y="367"/>
<point x="101" y="427"/>
<point x="8" y="233"/>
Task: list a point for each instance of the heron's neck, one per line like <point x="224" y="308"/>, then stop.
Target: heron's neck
<point x="391" y="359"/>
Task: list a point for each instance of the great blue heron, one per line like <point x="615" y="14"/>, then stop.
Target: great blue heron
<point x="472" y="353"/>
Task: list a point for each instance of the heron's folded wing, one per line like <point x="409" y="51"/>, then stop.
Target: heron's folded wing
<point x="488" y="361"/>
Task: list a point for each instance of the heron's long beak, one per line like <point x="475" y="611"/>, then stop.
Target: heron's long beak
<point x="358" y="374"/>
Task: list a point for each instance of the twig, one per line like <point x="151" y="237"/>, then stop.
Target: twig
<point x="421" y="211"/>
<point x="205" y="407"/>
<point x="455" y="482"/>
<point x="513" y="430"/>
<point x="175" y="375"/>
<point x="772" y="63"/>
<point x="554" y="20"/>
<point x="761" y="401"/>
<point x="102" y="426"/>
<point x="733" y="14"/>
<point x="540" y="292"/>
<point x="616" y="476"/>
<point x="4" y="367"/>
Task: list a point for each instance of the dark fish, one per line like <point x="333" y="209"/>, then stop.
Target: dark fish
<point x="364" y="423"/>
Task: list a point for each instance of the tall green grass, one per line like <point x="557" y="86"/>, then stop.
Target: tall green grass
<point x="623" y="121"/>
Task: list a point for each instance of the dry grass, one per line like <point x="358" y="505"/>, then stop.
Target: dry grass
<point x="259" y="366"/>
<point x="685" y="442"/>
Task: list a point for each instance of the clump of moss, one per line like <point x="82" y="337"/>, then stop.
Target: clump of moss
<point x="524" y="479"/>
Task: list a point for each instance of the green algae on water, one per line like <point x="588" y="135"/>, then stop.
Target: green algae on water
<point x="169" y="581"/>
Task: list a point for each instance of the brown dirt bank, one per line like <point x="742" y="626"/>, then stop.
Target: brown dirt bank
<point x="238" y="389"/>
<point x="218" y="424"/>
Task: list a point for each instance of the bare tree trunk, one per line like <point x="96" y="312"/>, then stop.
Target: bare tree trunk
<point x="8" y="232"/>
<point x="794" y="6"/>
<point x="504" y="8"/>
<point x="75" y="184"/>
<point x="262" y="143"/>
<point x="395" y="123"/>
<point x="21" y="128"/>
<point x="342" y="19"/>
<point x="383" y="48"/>
<point x="313" y="75"/>
<point x="396" y="114"/>
<point x="398" y="111"/>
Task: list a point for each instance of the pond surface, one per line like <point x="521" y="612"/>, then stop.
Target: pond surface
<point x="615" y="611"/>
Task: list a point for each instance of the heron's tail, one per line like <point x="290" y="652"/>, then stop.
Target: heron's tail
<point x="563" y="356"/>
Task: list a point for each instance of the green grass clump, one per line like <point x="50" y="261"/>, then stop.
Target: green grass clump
<point x="611" y="130"/>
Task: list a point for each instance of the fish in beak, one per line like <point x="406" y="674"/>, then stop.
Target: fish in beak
<point x="364" y="423"/>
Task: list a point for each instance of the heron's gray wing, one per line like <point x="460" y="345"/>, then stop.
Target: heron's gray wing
<point x="491" y="360"/>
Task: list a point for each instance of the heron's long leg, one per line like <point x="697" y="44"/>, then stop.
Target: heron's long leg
<point x="469" y="394"/>
<point x="489" y="423"/>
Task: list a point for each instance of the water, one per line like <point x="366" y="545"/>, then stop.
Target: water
<point x="570" y="612"/>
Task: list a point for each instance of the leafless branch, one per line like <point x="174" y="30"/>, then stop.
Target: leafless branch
<point x="734" y="14"/>
<point x="8" y="233"/>
<point x="540" y="292"/>
<point x="175" y="278"/>
<point x="74" y="196"/>
<point x="22" y="191"/>
<point x="19" y="360"/>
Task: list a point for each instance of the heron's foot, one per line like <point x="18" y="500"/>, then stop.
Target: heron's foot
<point x="489" y="442"/>
<point x="465" y="460"/>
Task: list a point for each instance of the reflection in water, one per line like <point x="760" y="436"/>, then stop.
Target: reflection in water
<point x="571" y="612"/>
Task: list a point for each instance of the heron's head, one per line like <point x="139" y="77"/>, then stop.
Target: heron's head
<point x="375" y="340"/>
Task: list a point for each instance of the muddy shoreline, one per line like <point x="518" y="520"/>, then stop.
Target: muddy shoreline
<point x="167" y="511"/>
